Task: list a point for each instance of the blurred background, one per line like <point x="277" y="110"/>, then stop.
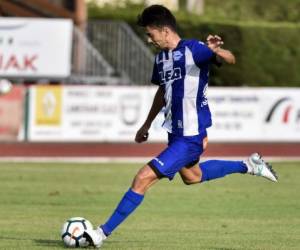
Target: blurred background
<point x="81" y="76"/>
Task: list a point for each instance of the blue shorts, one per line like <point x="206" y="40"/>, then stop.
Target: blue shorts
<point x="182" y="151"/>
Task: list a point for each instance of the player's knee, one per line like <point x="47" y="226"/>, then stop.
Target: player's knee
<point x="143" y="179"/>
<point x="144" y="175"/>
<point x="187" y="182"/>
<point x="140" y="180"/>
<point x="190" y="181"/>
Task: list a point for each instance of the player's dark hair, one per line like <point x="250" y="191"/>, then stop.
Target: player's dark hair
<point x="157" y="16"/>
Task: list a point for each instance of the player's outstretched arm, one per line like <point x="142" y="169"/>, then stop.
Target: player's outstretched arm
<point x="157" y="105"/>
<point x="226" y="55"/>
<point x="214" y="43"/>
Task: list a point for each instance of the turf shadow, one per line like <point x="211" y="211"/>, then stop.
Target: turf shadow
<point x="40" y="242"/>
<point x="47" y="243"/>
<point x="222" y="248"/>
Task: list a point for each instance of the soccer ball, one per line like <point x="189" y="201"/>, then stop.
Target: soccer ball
<point x="5" y="86"/>
<point x="73" y="230"/>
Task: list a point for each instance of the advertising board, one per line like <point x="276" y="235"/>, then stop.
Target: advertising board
<point x="114" y="114"/>
<point x="35" y="47"/>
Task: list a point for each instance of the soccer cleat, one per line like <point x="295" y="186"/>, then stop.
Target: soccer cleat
<point x="95" y="237"/>
<point x="257" y="166"/>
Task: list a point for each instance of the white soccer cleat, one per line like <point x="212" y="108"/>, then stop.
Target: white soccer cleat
<point x="95" y="237"/>
<point x="257" y="166"/>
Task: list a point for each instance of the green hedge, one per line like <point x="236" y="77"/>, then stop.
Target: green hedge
<point x="234" y="10"/>
<point x="249" y="10"/>
<point x="268" y="54"/>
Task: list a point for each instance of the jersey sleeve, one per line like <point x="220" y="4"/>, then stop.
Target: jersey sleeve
<point x="201" y="53"/>
<point x="155" y="74"/>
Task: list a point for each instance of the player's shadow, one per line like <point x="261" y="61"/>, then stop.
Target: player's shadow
<point x="222" y="248"/>
<point x="48" y="243"/>
<point x="39" y="242"/>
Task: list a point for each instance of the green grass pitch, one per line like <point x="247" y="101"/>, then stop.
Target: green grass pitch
<point x="236" y="212"/>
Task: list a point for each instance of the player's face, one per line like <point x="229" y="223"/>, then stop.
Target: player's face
<point x="157" y="36"/>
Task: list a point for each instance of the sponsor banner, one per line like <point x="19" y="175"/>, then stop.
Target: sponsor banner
<point x="12" y="114"/>
<point x="48" y="106"/>
<point x="114" y="114"/>
<point x="254" y="114"/>
<point x="90" y="113"/>
<point x="35" y="47"/>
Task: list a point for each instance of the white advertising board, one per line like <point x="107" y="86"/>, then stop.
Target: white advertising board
<point x="255" y="114"/>
<point x="114" y="114"/>
<point x="90" y="113"/>
<point x="35" y="47"/>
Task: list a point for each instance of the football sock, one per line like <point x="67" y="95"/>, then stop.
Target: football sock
<point x="214" y="169"/>
<point x="127" y="205"/>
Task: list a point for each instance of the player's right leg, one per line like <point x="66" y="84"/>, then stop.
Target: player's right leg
<point x="257" y="166"/>
<point x="214" y="169"/>
<point x="165" y="165"/>
<point x="143" y="180"/>
<point x="191" y="175"/>
<point x="254" y="165"/>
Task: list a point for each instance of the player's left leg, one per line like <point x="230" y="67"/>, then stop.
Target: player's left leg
<point x="143" y="180"/>
<point x="165" y="165"/>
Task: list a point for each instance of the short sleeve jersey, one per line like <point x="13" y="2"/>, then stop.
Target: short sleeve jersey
<point x="183" y="73"/>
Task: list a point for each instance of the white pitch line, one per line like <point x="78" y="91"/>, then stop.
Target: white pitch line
<point x="122" y="159"/>
<point x="76" y="159"/>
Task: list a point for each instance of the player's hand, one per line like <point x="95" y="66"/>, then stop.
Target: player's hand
<point x="214" y="42"/>
<point x="142" y="134"/>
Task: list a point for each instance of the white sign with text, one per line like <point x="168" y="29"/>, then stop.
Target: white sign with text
<point x="35" y="47"/>
<point x="114" y="114"/>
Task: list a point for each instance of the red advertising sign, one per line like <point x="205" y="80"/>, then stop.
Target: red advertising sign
<point x="12" y="114"/>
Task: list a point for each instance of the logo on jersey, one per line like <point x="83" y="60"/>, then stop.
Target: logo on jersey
<point x="170" y="75"/>
<point x="177" y="55"/>
<point x="204" y="97"/>
<point x="179" y="124"/>
<point x="159" y="161"/>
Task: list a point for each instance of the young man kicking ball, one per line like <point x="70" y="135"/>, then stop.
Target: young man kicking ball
<point x="181" y="72"/>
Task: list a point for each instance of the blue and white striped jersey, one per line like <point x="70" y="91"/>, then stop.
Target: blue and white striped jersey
<point x="183" y="72"/>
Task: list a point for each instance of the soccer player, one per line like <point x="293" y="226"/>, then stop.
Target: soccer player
<point x="181" y="72"/>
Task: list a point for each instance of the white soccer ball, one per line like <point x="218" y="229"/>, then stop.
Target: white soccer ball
<point x="73" y="230"/>
<point x="5" y="86"/>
